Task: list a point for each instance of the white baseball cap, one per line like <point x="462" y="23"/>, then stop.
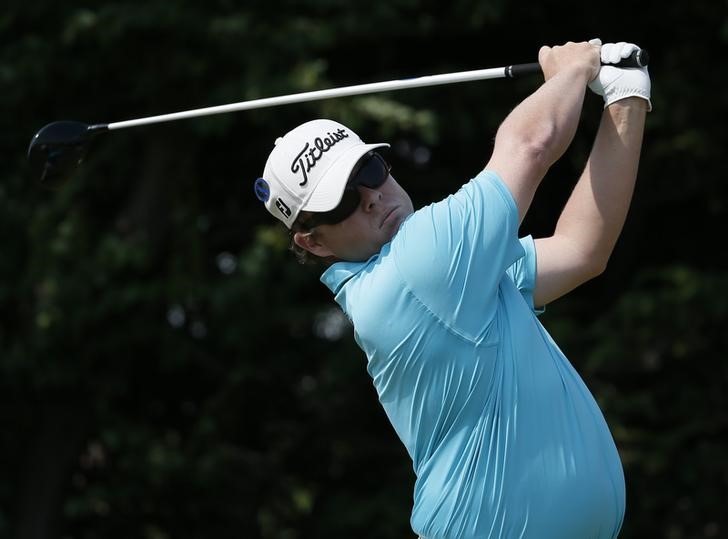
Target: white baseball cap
<point x="308" y="169"/>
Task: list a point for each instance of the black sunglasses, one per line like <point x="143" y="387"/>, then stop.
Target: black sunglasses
<point x="371" y="171"/>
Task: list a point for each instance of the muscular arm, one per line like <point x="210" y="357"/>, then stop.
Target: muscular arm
<point x="594" y="215"/>
<point x="538" y="131"/>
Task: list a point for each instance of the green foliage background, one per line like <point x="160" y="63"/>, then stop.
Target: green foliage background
<point x="168" y="371"/>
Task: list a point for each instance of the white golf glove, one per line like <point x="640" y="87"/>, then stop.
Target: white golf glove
<point x="615" y="83"/>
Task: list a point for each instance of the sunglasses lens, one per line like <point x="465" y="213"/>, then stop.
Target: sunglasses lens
<point x="372" y="173"/>
<point x="348" y="205"/>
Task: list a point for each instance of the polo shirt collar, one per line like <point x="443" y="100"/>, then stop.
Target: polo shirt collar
<point x="339" y="273"/>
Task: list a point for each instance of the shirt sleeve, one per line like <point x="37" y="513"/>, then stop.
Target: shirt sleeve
<point x="455" y="252"/>
<point x="523" y="273"/>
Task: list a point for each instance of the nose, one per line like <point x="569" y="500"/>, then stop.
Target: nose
<point x="369" y="197"/>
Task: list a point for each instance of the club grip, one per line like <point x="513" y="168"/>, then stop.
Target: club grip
<point x="638" y="58"/>
<point x="519" y="70"/>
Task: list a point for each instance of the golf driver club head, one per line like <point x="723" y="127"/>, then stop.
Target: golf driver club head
<point x="58" y="148"/>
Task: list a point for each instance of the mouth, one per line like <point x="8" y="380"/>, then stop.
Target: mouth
<point x="387" y="216"/>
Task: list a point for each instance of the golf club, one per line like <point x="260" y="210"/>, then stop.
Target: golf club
<point x="59" y="147"/>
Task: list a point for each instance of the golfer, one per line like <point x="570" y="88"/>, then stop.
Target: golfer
<point x="505" y="439"/>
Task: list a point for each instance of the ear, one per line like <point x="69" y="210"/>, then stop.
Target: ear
<point x="309" y="242"/>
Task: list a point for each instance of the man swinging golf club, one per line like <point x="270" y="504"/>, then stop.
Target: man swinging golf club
<point x="505" y="439"/>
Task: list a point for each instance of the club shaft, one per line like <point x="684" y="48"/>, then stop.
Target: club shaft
<point x="429" y="80"/>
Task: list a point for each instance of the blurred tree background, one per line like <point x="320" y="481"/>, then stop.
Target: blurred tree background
<point x="168" y="371"/>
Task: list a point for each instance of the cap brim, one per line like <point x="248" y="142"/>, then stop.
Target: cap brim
<point x="330" y="188"/>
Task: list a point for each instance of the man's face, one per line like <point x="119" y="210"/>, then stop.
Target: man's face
<point x="361" y="235"/>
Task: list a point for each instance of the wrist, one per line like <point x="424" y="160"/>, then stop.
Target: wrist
<point x="576" y="73"/>
<point x="631" y="104"/>
<point x="634" y="102"/>
<point x="583" y="72"/>
<point x="627" y="112"/>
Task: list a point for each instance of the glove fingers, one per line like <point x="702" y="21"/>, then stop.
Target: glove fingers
<point x="612" y="53"/>
<point x="625" y="49"/>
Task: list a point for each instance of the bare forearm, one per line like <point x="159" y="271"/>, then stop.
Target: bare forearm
<point x="593" y="218"/>
<point x="547" y="120"/>
<point x="539" y="130"/>
<point x="536" y="133"/>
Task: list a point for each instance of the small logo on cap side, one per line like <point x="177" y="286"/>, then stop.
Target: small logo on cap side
<point x="262" y="190"/>
<point x="283" y="208"/>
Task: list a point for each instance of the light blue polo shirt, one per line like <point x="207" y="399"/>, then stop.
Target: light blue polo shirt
<point x="506" y="441"/>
